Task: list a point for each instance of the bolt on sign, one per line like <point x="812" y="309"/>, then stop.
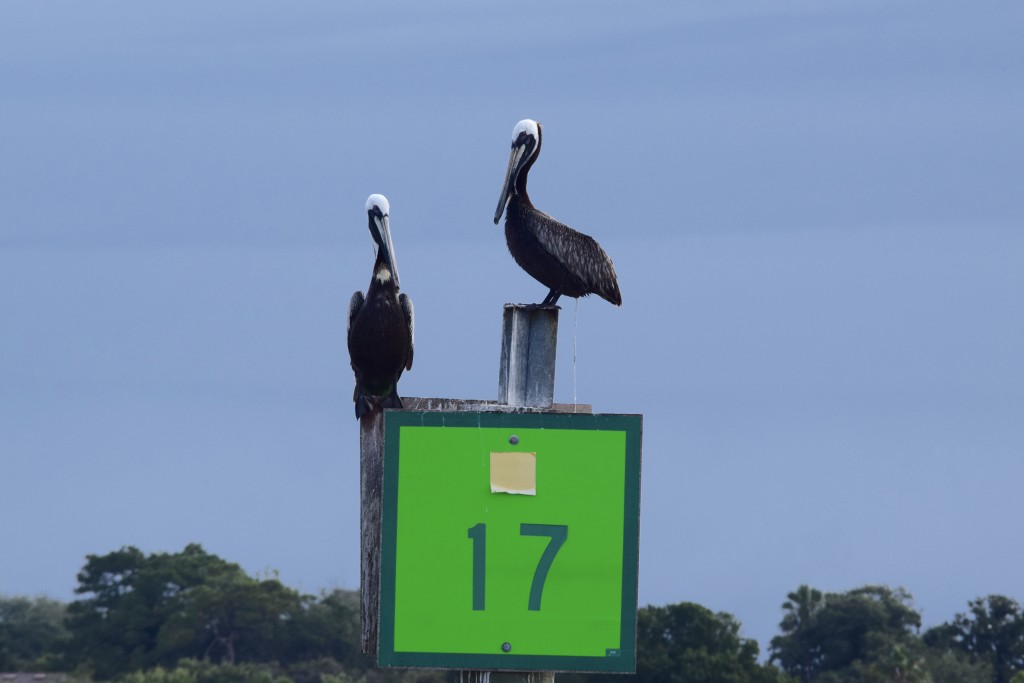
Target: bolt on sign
<point x="510" y="541"/>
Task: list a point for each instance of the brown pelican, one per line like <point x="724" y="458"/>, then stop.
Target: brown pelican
<point x="380" y="325"/>
<point x="560" y="258"/>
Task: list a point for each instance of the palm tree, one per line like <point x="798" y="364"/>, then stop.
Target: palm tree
<point x="795" y="650"/>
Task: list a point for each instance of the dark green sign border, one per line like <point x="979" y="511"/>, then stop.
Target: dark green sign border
<point x="625" y="660"/>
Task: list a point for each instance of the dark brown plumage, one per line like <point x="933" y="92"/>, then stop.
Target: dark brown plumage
<point x="380" y="324"/>
<point x="564" y="260"/>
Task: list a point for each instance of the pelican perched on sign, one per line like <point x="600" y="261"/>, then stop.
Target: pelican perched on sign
<point x="560" y="258"/>
<point x="380" y="324"/>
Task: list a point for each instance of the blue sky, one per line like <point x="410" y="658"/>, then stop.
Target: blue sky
<point x="815" y="212"/>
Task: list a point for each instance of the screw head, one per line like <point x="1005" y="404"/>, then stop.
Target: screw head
<point x="506" y="647"/>
<point x="513" y="439"/>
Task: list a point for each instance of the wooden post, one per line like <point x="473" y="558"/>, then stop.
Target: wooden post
<point x="506" y="677"/>
<point x="371" y="474"/>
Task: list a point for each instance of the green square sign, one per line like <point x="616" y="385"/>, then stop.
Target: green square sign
<point x="510" y="541"/>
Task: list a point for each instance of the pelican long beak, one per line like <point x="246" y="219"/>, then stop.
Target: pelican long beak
<point x="382" y="235"/>
<point x="510" y="177"/>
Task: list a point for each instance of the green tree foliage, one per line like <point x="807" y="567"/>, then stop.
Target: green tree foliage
<point x="231" y="617"/>
<point x="142" y="612"/>
<point x="328" y="631"/>
<point x="864" y="634"/>
<point x="191" y="617"/>
<point x="955" y="667"/>
<point x="992" y="633"/>
<point x="798" y="650"/>
<point x="31" y="633"/>
<point x="196" y="671"/>
<point x="120" y="627"/>
<point x="687" y="643"/>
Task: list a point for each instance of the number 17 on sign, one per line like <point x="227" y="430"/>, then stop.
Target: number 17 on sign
<point x="478" y="533"/>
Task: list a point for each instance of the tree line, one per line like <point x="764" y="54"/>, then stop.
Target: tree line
<point x="192" y="617"/>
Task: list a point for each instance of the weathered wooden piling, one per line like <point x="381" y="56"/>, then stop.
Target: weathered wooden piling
<point x="371" y="476"/>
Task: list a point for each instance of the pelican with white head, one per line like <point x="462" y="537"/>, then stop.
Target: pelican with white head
<point x="380" y="323"/>
<point x="562" y="259"/>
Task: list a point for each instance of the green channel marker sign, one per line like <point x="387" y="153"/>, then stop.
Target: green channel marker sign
<point x="510" y="541"/>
